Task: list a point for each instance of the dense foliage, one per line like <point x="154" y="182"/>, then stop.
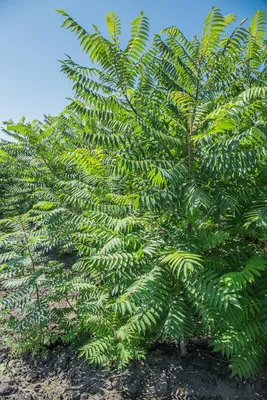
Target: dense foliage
<point x="139" y="213"/>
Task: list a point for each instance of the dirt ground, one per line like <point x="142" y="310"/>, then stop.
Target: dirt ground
<point x="60" y="375"/>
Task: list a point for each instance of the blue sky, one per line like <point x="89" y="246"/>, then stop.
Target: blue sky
<point x="32" y="40"/>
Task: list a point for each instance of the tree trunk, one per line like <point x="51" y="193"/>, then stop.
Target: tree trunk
<point x="183" y="348"/>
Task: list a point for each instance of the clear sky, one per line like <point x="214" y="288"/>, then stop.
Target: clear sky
<point x="32" y="40"/>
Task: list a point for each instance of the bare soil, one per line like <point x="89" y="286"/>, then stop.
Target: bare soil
<point x="61" y="375"/>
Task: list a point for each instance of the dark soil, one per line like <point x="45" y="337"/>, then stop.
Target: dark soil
<point x="60" y="375"/>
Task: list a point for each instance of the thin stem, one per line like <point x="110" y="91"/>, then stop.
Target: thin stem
<point x="130" y="104"/>
<point x="33" y="269"/>
<point x="191" y="129"/>
<point x="71" y="306"/>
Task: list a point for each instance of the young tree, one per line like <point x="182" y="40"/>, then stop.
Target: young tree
<point x="155" y="180"/>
